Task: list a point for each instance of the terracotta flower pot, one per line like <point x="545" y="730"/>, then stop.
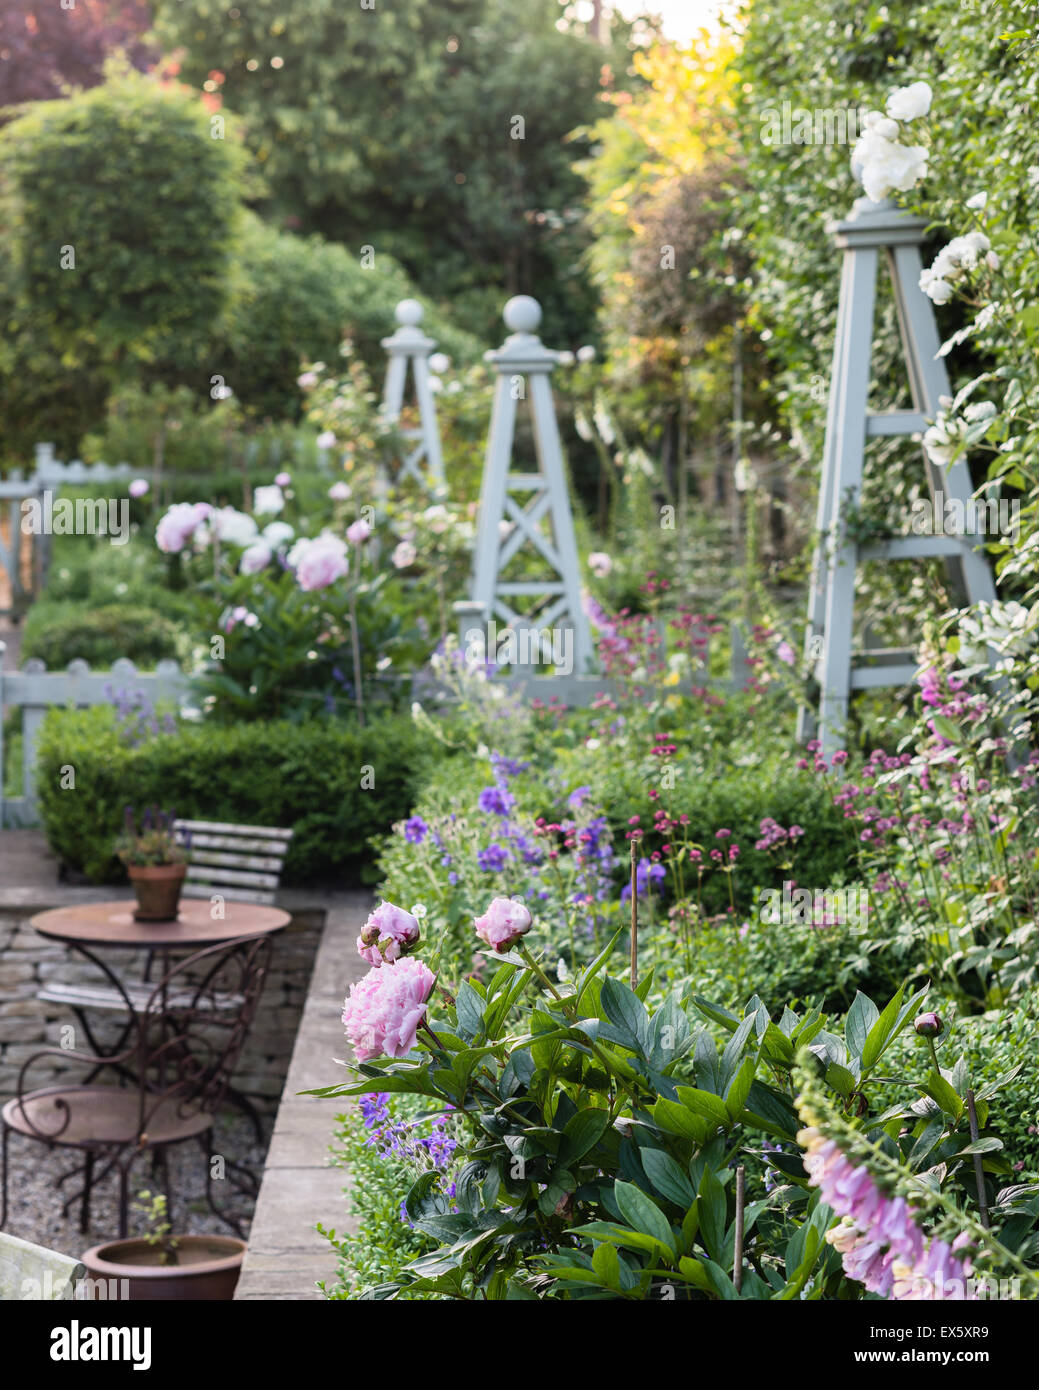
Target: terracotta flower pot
<point x="207" y="1269"/>
<point x="158" y="890"/>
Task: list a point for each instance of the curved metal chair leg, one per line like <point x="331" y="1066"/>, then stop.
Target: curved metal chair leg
<point x="3" y="1174"/>
<point x="124" y="1195"/>
<point x="88" y="1182"/>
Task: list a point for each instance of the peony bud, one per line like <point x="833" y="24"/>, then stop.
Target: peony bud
<point x="504" y="922"/>
<point x="928" y="1025"/>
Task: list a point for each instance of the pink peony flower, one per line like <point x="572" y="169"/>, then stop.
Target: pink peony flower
<point x="388" y="934"/>
<point x="339" y="492"/>
<point x="504" y="922"/>
<point x="255" y="557"/>
<point x="283" y="479"/>
<point x="321" y="563"/>
<point x="383" y="1011"/>
<point x="358" y="532"/>
<point x="139" y="487"/>
<point x="179" y="525"/>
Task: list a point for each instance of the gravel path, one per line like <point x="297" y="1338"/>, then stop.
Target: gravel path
<point x="35" y="1201"/>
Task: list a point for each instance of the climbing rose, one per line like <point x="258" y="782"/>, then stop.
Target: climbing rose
<point x="383" y="1011"/>
<point x="504" y="922"/>
<point x="404" y="555"/>
<point x="388" y="934"/>
<point x="907" y="103"/>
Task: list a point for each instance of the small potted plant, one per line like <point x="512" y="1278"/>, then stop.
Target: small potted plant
<point x="156" y="861"/>
<point x="161" y="1266"/>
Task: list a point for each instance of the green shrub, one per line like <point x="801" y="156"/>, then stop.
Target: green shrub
<point x="383" y="1242"/>
<point x="305" y="776"/>
<point x="129" y="178"/>
<point x="62" y="632"/>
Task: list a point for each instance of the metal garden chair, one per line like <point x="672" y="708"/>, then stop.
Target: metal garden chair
<point x="185" y="1045"/>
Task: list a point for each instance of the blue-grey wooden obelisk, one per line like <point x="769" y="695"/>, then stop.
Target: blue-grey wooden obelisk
<point x="507" y="526"/>
<point x="872" y="228"/>
<point x="409" y="345"/>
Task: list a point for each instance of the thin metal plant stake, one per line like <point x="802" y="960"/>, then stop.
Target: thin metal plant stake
<point x="979" y="1169"/>
<point x="737" y="1254"/>
<point x="634" y="920"/>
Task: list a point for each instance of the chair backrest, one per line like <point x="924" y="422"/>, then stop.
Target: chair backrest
<point x="188" y="1039"/>
<point x="241" y="862"/>
<point x="32" y="1272"/>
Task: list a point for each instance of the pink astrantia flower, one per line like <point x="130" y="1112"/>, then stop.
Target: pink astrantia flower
<point x="388" y="934"/>
<point x="382" y="1012"/>
<point x="504" y="922"/>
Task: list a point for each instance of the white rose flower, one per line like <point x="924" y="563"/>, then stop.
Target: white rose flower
<point x="977" y="203"/>
<point x="909" y="103"/>
<point x="885" y="165"/>
<point x="404" y="555"/>
<point x="943" y="440"/>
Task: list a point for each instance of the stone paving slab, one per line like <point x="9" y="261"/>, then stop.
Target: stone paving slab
<point x="286" y="1256"/>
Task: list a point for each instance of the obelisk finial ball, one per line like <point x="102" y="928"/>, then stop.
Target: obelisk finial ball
<point x="409" y="313"/>
<point x="522" y="314"/>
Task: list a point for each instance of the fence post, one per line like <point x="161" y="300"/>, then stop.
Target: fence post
<point x="472" y="617"/>
<point x="740" y="672"/>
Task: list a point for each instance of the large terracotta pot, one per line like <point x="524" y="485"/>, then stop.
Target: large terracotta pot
<point x="207" y="1269"/>
<point x="158" y="890"/>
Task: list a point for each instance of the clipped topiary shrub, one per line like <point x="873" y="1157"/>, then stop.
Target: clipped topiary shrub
<point x="59" y="633"/>
<point x="336" y="785"/>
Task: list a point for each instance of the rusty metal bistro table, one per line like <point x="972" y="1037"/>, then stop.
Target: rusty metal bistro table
<point x="194" y="933"/>
<point x="112" y="924"/>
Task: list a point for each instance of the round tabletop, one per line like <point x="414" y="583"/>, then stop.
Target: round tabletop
<point x="113" y="924"/>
